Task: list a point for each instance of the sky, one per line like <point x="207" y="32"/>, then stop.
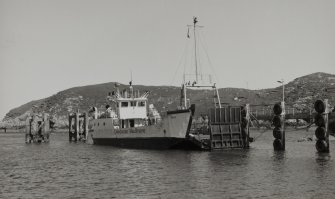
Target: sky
<point x="47" y="46"/>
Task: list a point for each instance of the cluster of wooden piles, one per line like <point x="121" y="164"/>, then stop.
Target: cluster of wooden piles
<point x="37" y="128"/>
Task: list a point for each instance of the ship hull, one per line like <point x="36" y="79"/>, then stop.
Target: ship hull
<point x="148" y="143"/>
<point x="171" y="133"/>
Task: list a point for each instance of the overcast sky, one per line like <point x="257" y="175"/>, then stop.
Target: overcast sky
<point x="50" y="45"/>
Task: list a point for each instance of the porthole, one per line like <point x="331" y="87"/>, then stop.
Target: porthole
<point x="98" y="123"/>
<point x="104" y="123"/>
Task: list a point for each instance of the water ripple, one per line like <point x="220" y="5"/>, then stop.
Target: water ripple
<point x="60" y="169"/>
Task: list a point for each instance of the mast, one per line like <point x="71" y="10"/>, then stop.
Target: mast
<point x="196" y="84"/>
<point x="195" y="49"/>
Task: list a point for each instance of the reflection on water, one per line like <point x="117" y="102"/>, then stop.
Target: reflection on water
<point x="279" y="156"/>
<point x="322" y="158"/>
<point x="60" y="169"/>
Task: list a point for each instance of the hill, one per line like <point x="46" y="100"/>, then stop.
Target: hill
<point x="300" y="94"/>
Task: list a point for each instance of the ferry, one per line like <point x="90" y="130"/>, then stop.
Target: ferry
<point x="133" y="124"/>
<point x="130" y="122"/>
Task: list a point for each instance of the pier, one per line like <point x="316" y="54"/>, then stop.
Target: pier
<point x="78" y="126"/>
<point x="37" y="128"/>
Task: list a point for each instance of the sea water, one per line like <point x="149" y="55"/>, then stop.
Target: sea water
<point x="60" y="169"/>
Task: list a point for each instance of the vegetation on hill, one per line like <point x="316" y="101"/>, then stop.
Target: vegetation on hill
<point x="300" y="94"/>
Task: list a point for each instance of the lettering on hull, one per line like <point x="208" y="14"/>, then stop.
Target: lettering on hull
<point x="125" y="131"/>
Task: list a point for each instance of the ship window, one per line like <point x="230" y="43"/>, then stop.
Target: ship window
<point x="141" y="103"/>
<point x="98" y="123"/>
<point x="132" y="123"/>
<point x="104" y="123"/>
<point x="132" y="103"/>
<point x="124" y="104"/>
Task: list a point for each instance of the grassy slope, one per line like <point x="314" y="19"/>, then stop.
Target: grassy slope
<point x="301" y="92"/>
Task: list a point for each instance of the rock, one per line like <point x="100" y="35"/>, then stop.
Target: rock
<point x="305" y="139"/>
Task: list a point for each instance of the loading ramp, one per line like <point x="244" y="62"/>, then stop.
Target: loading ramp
<point x="226" y="130"/>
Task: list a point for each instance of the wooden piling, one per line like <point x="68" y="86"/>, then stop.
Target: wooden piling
<point x="37" y="128"/>
<point x="76" y="126"/>
<point x="86" y="125"/>
<point x="80" y="123"/>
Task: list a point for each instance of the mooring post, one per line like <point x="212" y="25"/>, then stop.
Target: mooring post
<point x="34" y="127"/>
<point x="283" y="115"/>
<point x="245" y="125"/>
<point x="70" y="124"/>
<point x="248" y="124"/>
<point x="81" y="129"/>
<point x="321" y="121"/>
<point x="279" y="123"/>
<point x="248" y="127"/>
<point x="77" y="126"/>
<point x="45" y="127"/>
<point x="28" y="129"/>
<point x="86" y="125"/>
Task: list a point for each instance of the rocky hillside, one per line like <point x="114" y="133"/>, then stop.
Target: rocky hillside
<point x="300" y="94"/>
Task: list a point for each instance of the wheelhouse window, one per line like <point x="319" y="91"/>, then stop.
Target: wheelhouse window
<point x="124" y="104"/>
<point x="141" y="103"/>
<point x="132" y="123"/>
<point x="132" y="104"/>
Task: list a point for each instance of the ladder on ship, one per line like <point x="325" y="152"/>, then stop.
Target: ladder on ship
<point x="226" y="128"/>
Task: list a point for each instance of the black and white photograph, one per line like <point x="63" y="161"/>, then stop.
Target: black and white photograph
<point x="167" y="99"/>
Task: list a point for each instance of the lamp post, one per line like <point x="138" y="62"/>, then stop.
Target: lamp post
<point x="282" y="82"/>
<point x="279" y="123"/>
